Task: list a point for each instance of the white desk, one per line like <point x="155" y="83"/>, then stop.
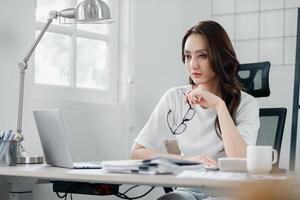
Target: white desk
<point x="47" y="173"/>
<point x="34" y="174"/>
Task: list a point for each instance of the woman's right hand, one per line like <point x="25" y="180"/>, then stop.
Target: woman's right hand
<point x="205" y="159"/>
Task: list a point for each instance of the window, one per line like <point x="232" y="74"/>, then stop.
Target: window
<point x="75" y="59"/>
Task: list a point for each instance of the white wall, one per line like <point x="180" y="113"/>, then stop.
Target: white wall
<point x="15" y="37"/>
<point x="150" y="59"/>
<point x="156" y="54"/>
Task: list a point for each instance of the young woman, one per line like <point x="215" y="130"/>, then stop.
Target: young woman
<point x="209" y="118"/>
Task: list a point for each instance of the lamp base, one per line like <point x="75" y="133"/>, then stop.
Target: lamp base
<point x="25" y="158"/>
<point x="29" y="159"/>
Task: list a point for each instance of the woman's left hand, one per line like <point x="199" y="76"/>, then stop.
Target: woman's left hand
<point x="203" y="98"/>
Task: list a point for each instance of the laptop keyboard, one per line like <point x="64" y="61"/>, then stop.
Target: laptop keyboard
<point x="87" y="165"/>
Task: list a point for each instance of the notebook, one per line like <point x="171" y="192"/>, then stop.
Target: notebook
<point x="155" y="165"/>
<point x="54" y="141"/>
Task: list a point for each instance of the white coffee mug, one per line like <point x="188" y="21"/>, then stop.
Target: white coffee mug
<point x="260" y="159"/>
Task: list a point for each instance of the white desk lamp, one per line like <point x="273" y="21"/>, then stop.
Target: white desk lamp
<point x="88" y="11"/>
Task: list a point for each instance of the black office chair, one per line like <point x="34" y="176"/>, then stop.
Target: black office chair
<point x="272" y="121"/>
<point x="255" y="79"/>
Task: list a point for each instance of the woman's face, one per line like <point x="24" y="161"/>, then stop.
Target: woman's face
<point x="197" y="62"/>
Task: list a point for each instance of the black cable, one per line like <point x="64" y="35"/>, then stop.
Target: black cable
<point x="130" y="189"/>
<point x="143" y="194"/>
<point x="59" y="196"/>
<point x="70" y="189"/>
<point x="123" y="196"/>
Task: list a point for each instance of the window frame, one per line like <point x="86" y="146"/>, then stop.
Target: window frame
<point x="60" y="94"/>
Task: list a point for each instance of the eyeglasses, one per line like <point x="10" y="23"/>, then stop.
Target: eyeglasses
<point x="182" y="126"/>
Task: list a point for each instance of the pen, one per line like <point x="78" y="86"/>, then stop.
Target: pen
<point x="6" y="136"/>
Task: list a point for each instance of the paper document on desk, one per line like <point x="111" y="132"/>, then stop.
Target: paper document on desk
<point x="121" y="165"/>
<point x="229" y="175"/>
<point x="179" y="162"/>
<point x="213" y="175"/>
<point x="157" y="165"/>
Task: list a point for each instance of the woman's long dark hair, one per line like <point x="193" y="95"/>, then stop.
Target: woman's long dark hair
<point x="224" y="63"/>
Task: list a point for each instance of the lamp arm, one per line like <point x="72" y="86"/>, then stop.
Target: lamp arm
<point x="23" y="66"/>
<point x="37" y="40"/>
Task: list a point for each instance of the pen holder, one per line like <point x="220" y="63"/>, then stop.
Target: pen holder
<point x="8" y="152"/>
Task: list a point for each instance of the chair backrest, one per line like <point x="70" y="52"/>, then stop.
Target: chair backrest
<point x="272" y="122"/>
<point x="255" y="78"/>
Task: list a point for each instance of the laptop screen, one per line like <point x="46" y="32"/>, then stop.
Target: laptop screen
<point x="53" y="137"/>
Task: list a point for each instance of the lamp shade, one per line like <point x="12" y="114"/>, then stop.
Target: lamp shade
<point x="92" y="11"/>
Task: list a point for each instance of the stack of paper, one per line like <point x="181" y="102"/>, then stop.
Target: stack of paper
<point x="156" y="165"/>
<point x="121" y="165"/>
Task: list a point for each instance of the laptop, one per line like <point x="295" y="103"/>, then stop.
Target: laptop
<point x="54" y="141"/>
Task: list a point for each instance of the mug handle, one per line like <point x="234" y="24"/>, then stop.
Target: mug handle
<point x="275" y="158"/>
